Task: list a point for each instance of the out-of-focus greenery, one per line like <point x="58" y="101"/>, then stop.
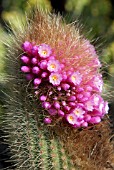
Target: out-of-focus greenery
<point x="95" y="14"/>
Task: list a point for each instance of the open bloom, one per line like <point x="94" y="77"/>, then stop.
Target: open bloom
<point x="78" y="112"/>
<point x="76" y="78"/>
<point x="98" y="83"/>
<point x="44" y="50"/>
<point x="53" y="65"/>
<point x="71" y="118"/>
<point x="55" y="78"/>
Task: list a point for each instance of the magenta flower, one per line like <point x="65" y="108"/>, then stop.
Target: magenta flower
<point x="53" y="65"/>
<point x="75" y="78"/>
<point x="55" y="78"/>
<point x="44" y="50"/>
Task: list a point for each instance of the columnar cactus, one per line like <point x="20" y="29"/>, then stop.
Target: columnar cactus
<point x="57" y="117"/>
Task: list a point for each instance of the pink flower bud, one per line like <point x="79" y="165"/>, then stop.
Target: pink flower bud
<point x="25" y="69"/>
<point x="25" y="59"/>
<point x="35" y="50"/>
<point x="59" y="88"/>
<point x="65" y="86"/>
<point x="67" y="108"/>
<point x="72" y="104"/>
<point x="43" y="64"/>
<point x="34" y="61"/>
<point x="37" y="81"/>
<point x="57" y="105"/>
<point x="84" y="124"/>
<point x="87" y="117"/>
<point x="44" y="74"/>
<point x="35" y="70"/>
<point x="47" y="120"/>
<point x="63" y="103"/>
<point x="61" y="113"/>
<point x="46" y="105"/>
<point x="43" y="98"/>
<point x="27" y="46"/>
<point x="72" y="98"/>
<point x="95" y="120"/>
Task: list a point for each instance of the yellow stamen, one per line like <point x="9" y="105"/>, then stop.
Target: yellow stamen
<point x="73" y="78"/>
<point x="44" y="52"/>
<point x="76" y="112"/>
<point x="53" y="66"/>
<point x="71" y="118"/>
<point x="54" y="78"/>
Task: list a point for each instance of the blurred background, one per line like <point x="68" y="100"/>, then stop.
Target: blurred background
<point x="96" y="17"/>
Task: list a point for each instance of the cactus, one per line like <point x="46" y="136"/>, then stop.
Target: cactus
<point x="39" y="137"/>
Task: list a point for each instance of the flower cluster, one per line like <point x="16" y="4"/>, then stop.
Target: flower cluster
<point x="64" y="92"/>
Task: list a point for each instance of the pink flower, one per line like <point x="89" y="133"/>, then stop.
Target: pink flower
<point x="89" y="105"/>
<point x="71" y="118"/>
<point x="78" y="112"/>
<point x="44" y="50"/>
<point x="55" y="78"/>
<point x="96" y="99"/>
<point x="98" y="83"/>
<point x="75" y="78"/>
<point x="53" y="65"/>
